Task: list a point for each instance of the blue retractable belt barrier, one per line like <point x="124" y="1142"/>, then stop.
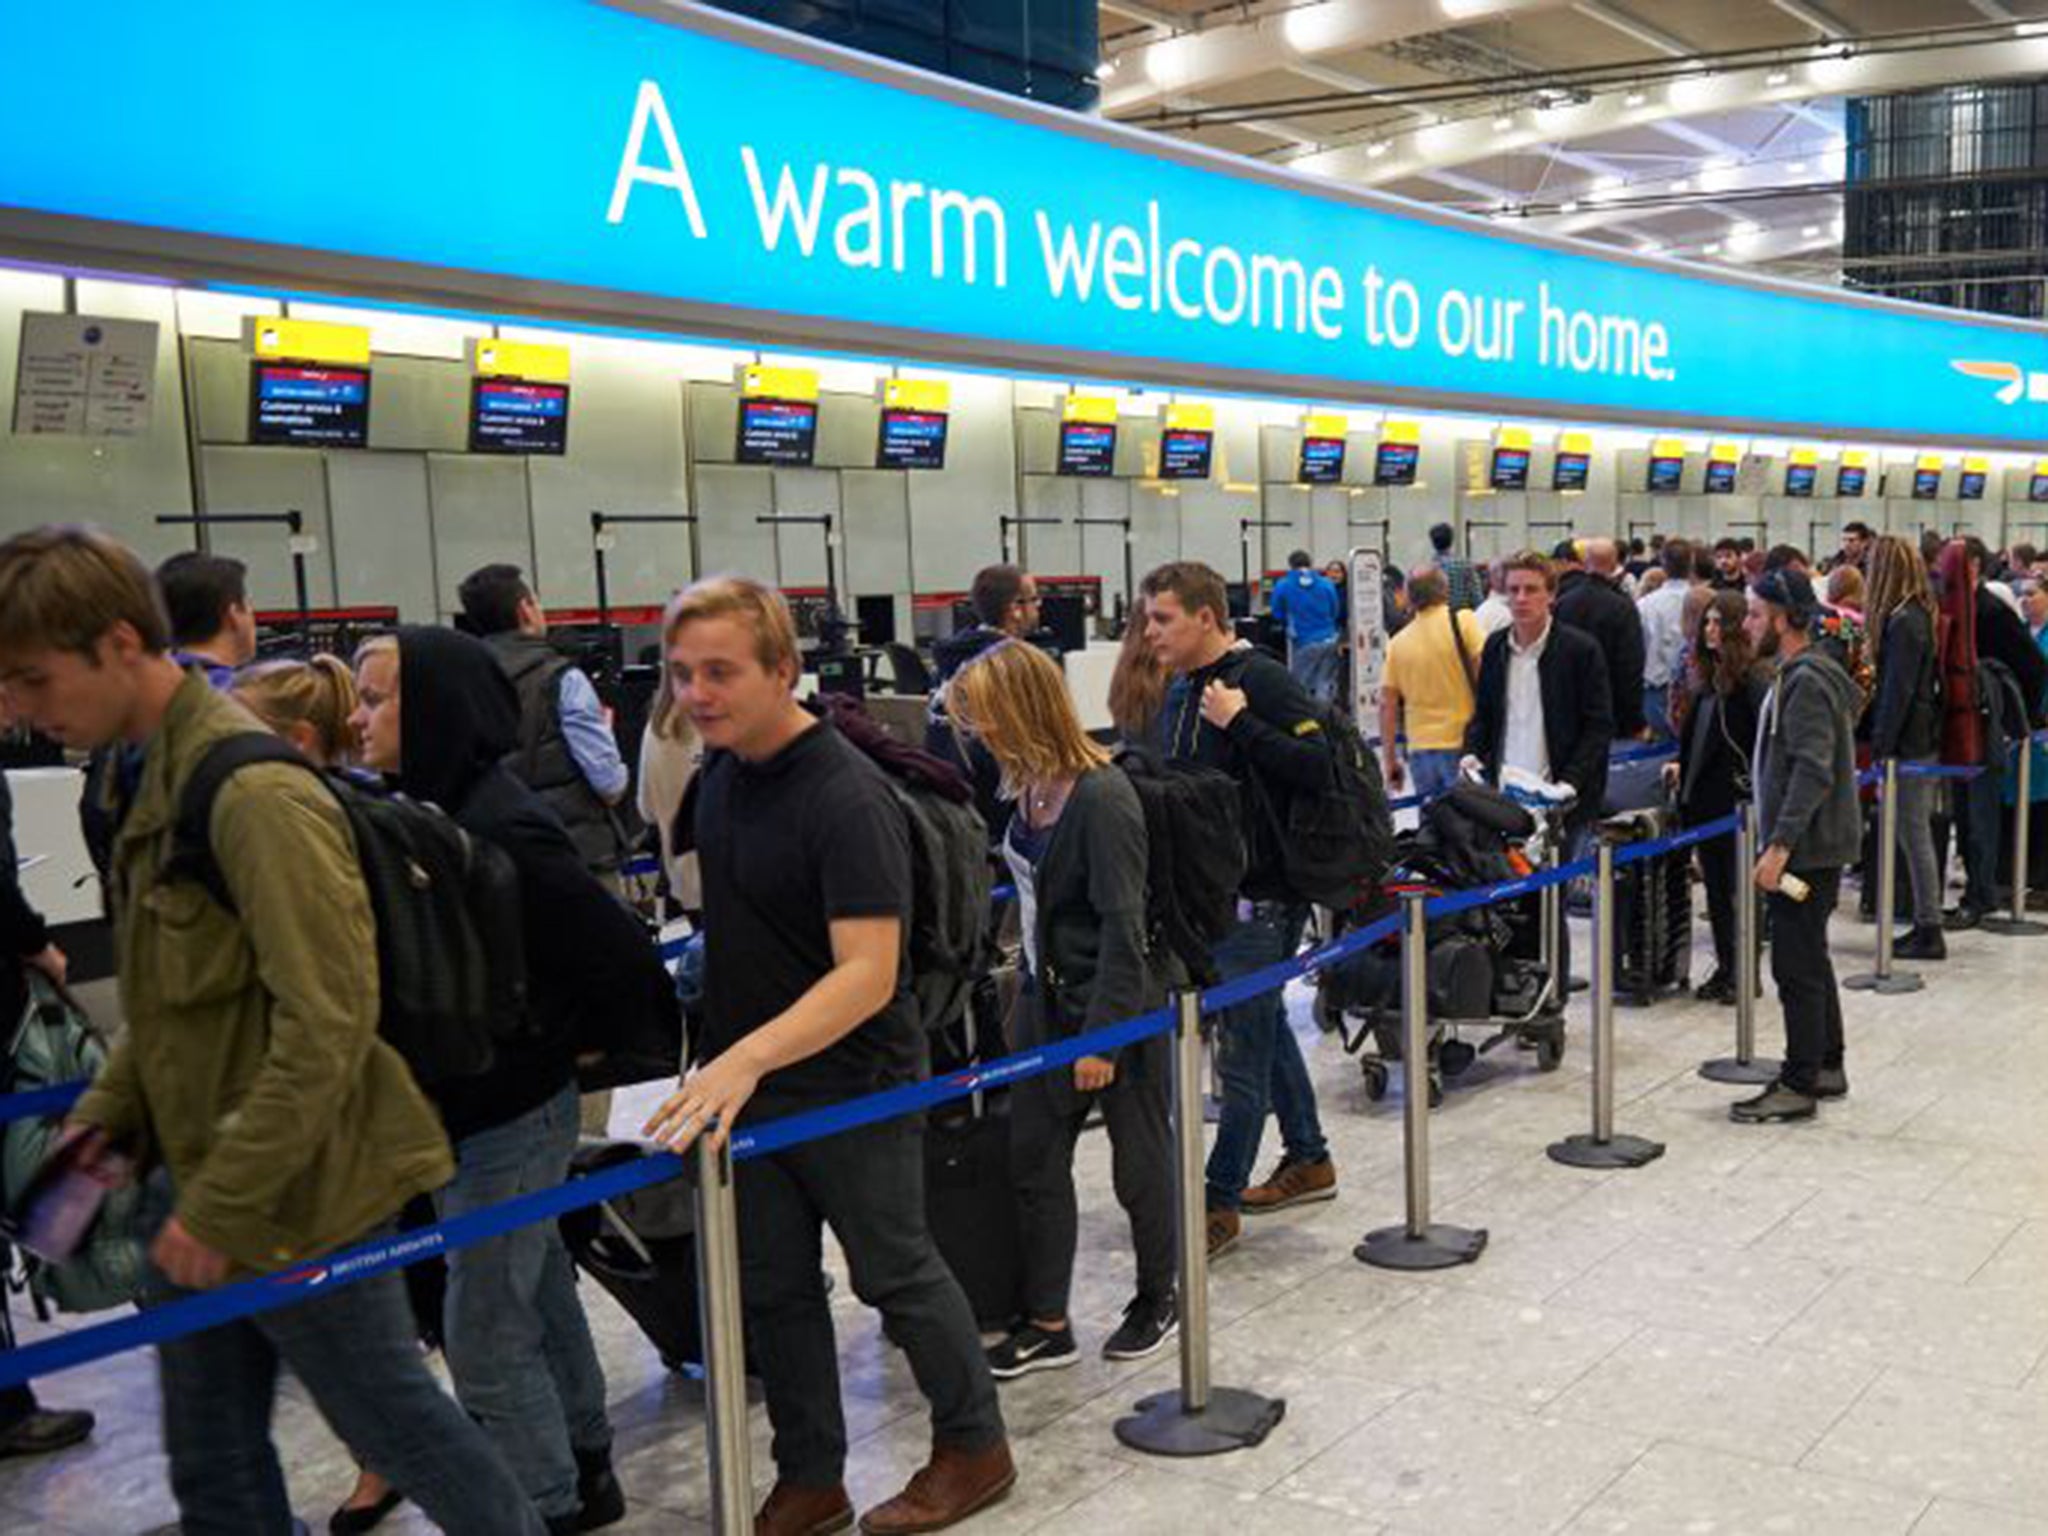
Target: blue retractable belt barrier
<point x="1633" y="853"/>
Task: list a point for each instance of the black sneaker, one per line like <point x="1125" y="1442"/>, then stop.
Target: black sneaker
<point x="1717" y="988"/>
<point x="44" y="1430"/>
<point x="1775" y="1103"/>
<point x="1032" y="1348"/>
<point x="598" y="1490"/>
<point x="1961" y="918"/>
<point x="1147" y="1327"/>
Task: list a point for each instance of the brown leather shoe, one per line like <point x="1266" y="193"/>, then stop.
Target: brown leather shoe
<point x="795" y="1511"/>
<point x="1224" y="1228"/>
<point x="1292" y="1184"/>
<point x="951" y="1486"/>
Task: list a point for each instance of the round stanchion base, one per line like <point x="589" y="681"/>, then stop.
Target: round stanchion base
<point x="2013" y="928"/>
<point x="1895" y="985"/>
<point x="1437" y="1247"/>
<point x="1235" y="1420"/>
<point x="1585" y="1151"/>
<point x="1733" y="1069"/>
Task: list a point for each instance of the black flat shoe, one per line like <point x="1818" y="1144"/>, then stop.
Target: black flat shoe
<point x="1776" y="1103"/>
<point x="1927" y="943"/>
<point x="353" y="1522"/>
<point x="46" y="1430"/>
<point x="1961" y="919"/>
<point x="1831" y="1083"/>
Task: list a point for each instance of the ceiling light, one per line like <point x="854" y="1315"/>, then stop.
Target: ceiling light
<point x="1777" y="77"/>
<point x="1711" y="250"/>
<point x="1681" y="184"/>
<point x="1462" y="10"/>
<point x="2031" y="29"/>
<point x="1377" y="148"/>
<point x="1634" y="99"/>
<point x="1314" y="28"/>
<point x="1105" y="69"/>
<point x="1836" y="229"/>
<point x="1503" y="124"/>
<point x="1570" y="205"/>
<point x="1650" y="248"/>
<point x="1810" y="232"/>
<point x="1797" y="168"/>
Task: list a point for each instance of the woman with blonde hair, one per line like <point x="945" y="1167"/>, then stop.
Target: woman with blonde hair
<point x="308" y="703"/>
<point x="1076" y="846"/>
<point x="670" y="753"/>
<point x="1904" y="722"/>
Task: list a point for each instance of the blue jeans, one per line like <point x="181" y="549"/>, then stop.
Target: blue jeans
<point x="1261" y="1061"/>
<point x="1315" y="667"/>
<point x="1657" y="710"/>
<point x="1432" y="770"/>
<point x="356" y="1352"/>
<point x="518" y="1344"/>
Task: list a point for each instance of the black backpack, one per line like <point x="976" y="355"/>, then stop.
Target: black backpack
<point x="2002" y="707"/>
<point x="451" y="958"/>
<point x="1195" y="856"/>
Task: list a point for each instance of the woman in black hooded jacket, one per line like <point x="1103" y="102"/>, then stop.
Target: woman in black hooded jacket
<point x="438" y="715"/>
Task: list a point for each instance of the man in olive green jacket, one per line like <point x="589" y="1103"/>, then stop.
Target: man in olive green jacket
<point x="251" y="1077"/>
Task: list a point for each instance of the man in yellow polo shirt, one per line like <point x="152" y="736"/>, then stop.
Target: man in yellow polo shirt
<point x="1428" y="677"/>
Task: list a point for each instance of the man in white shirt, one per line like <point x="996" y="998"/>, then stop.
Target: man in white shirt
<point x="1664" y="637"/>
<point x="1492" y="613"/>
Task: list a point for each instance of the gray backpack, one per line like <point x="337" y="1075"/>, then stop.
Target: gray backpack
<point x="55" y="1043"/>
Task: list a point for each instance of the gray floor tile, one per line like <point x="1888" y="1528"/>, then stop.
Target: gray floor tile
<point x="1147" y="1502"/>
<point x="1951" y="1517"/>
<point x="1684" y="1488"/>
<point x="1860" y="1229"/>
<point x="1701" y="1287"/>
<point x="1979" y="1445"/>
<point x="1990" y="1335"/>
<point x="1454" y="1467"/>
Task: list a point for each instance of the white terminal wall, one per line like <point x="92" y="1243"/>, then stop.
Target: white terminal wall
<point x="652" y="429"/>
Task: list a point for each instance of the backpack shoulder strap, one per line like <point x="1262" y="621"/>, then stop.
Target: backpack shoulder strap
<point x="191" y="832"/>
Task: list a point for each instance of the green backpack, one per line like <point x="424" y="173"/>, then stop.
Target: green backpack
<point x="56" y="1043"/>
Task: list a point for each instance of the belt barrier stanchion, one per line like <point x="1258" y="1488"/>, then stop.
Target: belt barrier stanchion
<point x="1198" y="1419"/>
<point x="2019" y="925"/>
<point x="1603" y="1148"/>
<point x="1744" y="1066"/>
<point x="725" y="1365"/>
<point x="1550" y="913"/>
<point x="1884" y="980"/>
<point x="1418" y="1243"/>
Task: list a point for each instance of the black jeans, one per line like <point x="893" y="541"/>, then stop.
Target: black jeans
<point x="1978" y="821"/>
<point x="1805" y="975"/>
<point x="1045" y="1125"/>
<point x="18" y="1402"/>
<point x="868" y="1185"/>
<point x="1717" y="868"/>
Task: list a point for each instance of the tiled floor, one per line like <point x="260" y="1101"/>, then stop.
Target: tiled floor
<point x="1833" y="1327"/>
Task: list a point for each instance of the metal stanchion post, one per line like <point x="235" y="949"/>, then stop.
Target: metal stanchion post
<point x="1200" y="1418"/>
<point x="1744" y="1066"/>
<point x="1419" y="1243"/>
<point x="1602" y="1148"/>
<point x="2019" y="925"/>
<point x="1884" y="979"/>
<point x="725" y="1365"/>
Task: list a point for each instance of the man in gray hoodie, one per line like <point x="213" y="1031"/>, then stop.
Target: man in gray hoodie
<point x="1810" y="826"/>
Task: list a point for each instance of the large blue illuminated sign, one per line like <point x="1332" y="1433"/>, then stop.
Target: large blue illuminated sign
<point x="698" y="170"/>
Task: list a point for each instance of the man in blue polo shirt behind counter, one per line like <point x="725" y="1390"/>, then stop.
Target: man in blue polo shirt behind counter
<point x="1309" y="604"/>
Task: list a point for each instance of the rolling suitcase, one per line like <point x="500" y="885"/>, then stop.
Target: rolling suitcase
<point x="642" y="1248"/>
<point x="1652" y="911"/>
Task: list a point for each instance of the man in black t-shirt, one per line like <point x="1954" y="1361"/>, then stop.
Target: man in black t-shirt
<point x="805" y="856"/>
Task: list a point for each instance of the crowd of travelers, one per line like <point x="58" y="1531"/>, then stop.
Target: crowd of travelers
<point x="266" y="1102"/>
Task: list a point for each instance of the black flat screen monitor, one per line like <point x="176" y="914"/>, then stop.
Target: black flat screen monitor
<point x="309" y="405"/>
<point x="1510" y="469"/>
<point x="1799" y="479"/>
<point x="1926" y="485"/>
<point x="507" y="416"/>
<point x="1088" y="449"/>
<point x="777" y="432"/>
<point x="1185" y="453"/>
<point x="1394" y="464"/>
<point x="1720" y="477"/>
<point x="1568" y="471"/>
<point x="1666" y="475"/>
<point x="1850" y="480"/>
<point x="1322" y="461"/>
<point x="1064" y="615"/>
<point x="875" y="615"/>
<point x="1238" y="598"/>
<point x="2037" y="488"/>
<point x="911" y="439"/>
<point x="1970" y="485"/>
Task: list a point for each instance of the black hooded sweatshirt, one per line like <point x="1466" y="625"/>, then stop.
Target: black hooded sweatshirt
<point x="458" y="717"/>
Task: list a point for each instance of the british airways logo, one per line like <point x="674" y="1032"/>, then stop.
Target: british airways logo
<point x="309" y="1275"/>
<point x="2014" y="382"/>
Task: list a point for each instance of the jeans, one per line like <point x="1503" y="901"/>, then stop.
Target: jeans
<point x="1916" y="845"/>
<point x="354" y="1351"/>
<point x="1719" y="874"/>
<point x="518" y="1344"/>
<point x="1657" y="710"/>
<point x="1261" y="1061"/>
<point x="1977" y="827"/>
<point x="16" y="1402"/>
<point x="868" y="1186"/>
<point x="1316" y="667"/>
<point x="1045" y="1125"/>
<point x="1805" y="975"/>
<point x="1432" y="770"/>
